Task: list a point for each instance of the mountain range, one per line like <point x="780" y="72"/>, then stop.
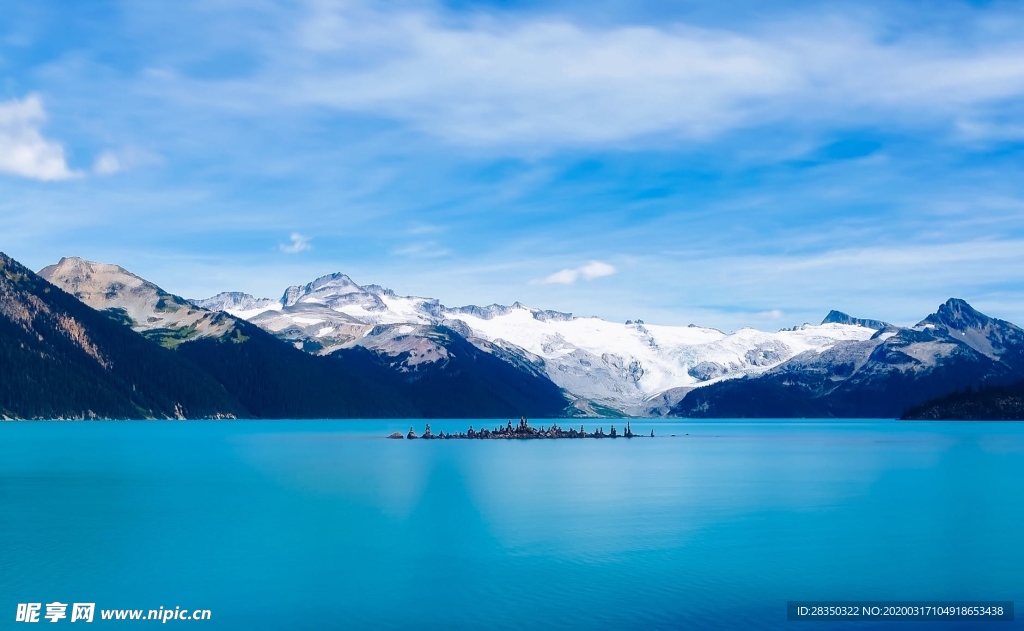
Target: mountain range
<point x="896" y="369"/>
<point x="604" y="367"/>
<point x="335" y="348"/>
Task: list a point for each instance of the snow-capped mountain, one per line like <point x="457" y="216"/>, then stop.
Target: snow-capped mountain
<point x="625" y="365"/>
<point x="896" y="369"/>
<point x="369" y="351"/>
<point x="632" y="367"/>
<point x="237" y="303"/>
<point x="401" y="370"/>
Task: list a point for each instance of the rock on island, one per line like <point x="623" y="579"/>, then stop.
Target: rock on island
<point x="522" y="430"/>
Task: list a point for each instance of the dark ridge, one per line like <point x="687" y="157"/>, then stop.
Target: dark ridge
<point x="469" y="383"/>
<point x="838" y="317"/>
<point x="995" y="403"/>
<point x="63" y="359"/>
<point x="273" y="379"/>
<point x="958" y="315"/>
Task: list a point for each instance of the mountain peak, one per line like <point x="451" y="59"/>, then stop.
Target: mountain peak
<point x="337" y="278"/>
<point x="336" y="284"/>
<point x="105" y="286"/>
<point x="958" y="315"/>
<point x="82" y="269"/>
<point x="838" y="317"/>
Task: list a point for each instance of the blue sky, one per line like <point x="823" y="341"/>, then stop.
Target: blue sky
<point x="675" y="162"/>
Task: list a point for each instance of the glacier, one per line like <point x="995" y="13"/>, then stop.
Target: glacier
<point x="631" y="367"/>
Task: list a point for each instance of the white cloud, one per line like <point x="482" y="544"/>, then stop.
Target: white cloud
<point x="543" y="81"/>
<point x="297" y="243"/>
<point x="564" y="277"/>
<point x="107" y="163"/>
<point x="590" y="271"/>
<point x="596" y="269"/>
<point x="23" y="149"/>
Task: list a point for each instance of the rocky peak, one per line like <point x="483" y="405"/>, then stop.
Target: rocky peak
<point x="104" y="286"/>
<point x="957" y="315"/>
<point x="838" y="317"/>
<point x="330" y="285"/>
<point x="73" y="269"/>
<point x="484" y="313"/>
<point x="232" y="300"/>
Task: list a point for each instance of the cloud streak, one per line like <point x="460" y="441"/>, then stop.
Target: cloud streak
<point x="533" y="82"/>
<point x="424" y="250"/>
<point x="111" y="162"/>
<point x="590" y="271"/>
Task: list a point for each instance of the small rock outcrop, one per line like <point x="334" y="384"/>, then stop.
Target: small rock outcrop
<point x="521" y="430"/>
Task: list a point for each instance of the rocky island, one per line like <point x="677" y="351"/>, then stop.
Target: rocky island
<point x="522" y="430"/>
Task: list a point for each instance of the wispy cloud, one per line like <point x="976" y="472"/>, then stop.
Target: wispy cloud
<point x="419" y="228"/>
<point x="107" y="163"/>
<point x="424" y="250"/>
<point x="23" y="149"/>
<point x="456" y="149"/>
<point x="590" y="271"/>
<point x="543" y="81"/>
<point x="110" y="162"/>
<point x="297" y="243"/>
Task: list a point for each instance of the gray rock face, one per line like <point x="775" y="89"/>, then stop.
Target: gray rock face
<point x="994" y="338"/>
<point x="705" y="371"/>
<point x="767" y="354"/>
<point x="458" y="326"/>
<point x="838" y="317"/>
<point x="233" y="301"/>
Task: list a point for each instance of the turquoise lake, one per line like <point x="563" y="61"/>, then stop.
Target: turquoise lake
<point x="328" y="525"/>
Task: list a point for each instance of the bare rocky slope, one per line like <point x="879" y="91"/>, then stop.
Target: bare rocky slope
<point x="62" y="359"/>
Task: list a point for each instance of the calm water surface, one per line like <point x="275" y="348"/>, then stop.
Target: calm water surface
<point x="327" y="525"/>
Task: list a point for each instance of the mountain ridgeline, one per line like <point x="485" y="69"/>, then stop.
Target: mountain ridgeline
<point x="62" y="359"/>
<point x="268" y="377"/>
<point x="896" y="370"/>
<point x="93" y="340"/>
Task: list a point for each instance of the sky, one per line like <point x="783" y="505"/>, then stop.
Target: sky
<point x="725" y="164"/>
